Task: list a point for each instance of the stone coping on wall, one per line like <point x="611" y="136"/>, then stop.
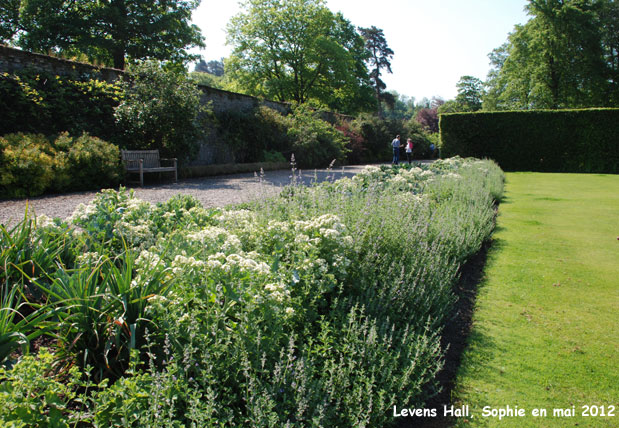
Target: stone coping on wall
<point x="13" y="59"/>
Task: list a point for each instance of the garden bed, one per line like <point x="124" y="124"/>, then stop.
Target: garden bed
<point x="323" y="306"/>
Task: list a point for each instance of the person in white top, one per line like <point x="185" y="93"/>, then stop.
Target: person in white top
<point x="409" y="150"/>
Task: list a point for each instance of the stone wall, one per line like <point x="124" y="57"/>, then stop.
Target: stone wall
<point x="213" y="147"/>
<point x="224" y="101"/>
<point x="213" y="150"/>
<point x="13" y="60"/>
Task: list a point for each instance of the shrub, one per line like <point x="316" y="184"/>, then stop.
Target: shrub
<point x="315" y="143"/>
<point x="33" y="395"/>
<point x="377" y="134"/>
<point x="40" y="102"/>
<point x="28" y="165"/>
<point x="355" y="143"/>
<point x="537" y="140"/>
<point x="92" y="162"/>
<point x="33" y="164"/>
<point x="322" y="306"/>
<point x="253" y="134"/>
<point x="273" y="156"/>
<point x="272" y="134"/>
<point x="421" y="139"/>
<point x="160" y="110"/>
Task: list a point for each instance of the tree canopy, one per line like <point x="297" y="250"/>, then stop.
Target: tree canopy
<point x="470" y="93"/>
<point x="298" y="50"/>
<point x="380" y="56"/>
<point x="565" y="56"/>
<point x="109" y="31"/>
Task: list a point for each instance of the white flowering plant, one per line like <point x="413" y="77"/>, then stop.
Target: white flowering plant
<point x="322" y="306"/>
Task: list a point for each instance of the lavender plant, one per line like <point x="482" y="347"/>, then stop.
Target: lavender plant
<point x="321" y="307"/>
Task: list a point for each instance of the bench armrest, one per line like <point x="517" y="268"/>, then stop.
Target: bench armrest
<point x="132" y="163"/>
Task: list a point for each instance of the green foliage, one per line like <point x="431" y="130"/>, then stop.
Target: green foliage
<point x="110" y="32"/>
<point x="252" y="135"/>
<point x="315" y="143"/>
<point x="322" y="306"/>
<point x="248" y="134"/>
<point x="151" y="399"/>
<point x="33" y="395"/>
<point x="298" y="51"/>
<point x="207" y="79"/>
<point x="379" y="58"/>
<point x="90" y="162"/>
<point x="17" y="330"/>
<point x="9" y="24"/>
<point x="402" y="109"/>
<point x="355" y="143"/>
<point x="31" y="248"/>
<point x="557" y="141"/>
<point x="561" y="58"/>
<point x="33" y="164"/>
<point x="376" y="134"/>
<point x="106" y="299"/>
<point x="76" y="105"/>
<point x="160" y="110"/>
<point x="26" y="253"/>
<point x="421" y="139"/>
<point x="28" y="163"/>
<point x="272" y="156"/>
<point x="470" y="94"/>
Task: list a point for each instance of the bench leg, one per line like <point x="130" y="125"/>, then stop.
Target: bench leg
<point x="175" y="172"/>
<point x="141" y="173"/>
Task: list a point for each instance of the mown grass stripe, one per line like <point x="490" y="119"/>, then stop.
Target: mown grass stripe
<point x="546" y="327"/>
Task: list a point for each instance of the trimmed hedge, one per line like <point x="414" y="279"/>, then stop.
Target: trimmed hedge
<point x="584" y="140"/>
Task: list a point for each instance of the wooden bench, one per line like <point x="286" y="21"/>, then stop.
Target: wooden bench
<point x="141" y="161"/>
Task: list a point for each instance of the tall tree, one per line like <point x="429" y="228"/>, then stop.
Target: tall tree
<point x="427" y="115"/>
<point x="609" y="23"/>
<point x="296" y="50"/>
<point x="9" y="19"/>
<point x="380" y="56"/>
<point x="555" y="60"/>
<point x="109" y="31"/>
<point x="470" y="93"/>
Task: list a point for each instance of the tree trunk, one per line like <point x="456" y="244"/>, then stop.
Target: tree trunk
<point x="119" y="58"/>
<point x="119" y="33"/>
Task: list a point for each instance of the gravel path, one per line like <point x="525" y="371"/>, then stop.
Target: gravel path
<point x="211" y="191"/>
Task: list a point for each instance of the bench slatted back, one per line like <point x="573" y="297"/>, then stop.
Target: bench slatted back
<point x="150" y="157"/>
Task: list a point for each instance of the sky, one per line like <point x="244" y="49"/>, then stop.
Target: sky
<point x="435" y="42"/>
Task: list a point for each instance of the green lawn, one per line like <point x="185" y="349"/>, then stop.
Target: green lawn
<point x="546" y="323"/>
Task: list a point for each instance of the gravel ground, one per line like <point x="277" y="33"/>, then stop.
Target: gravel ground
<point x="211" y="191"/>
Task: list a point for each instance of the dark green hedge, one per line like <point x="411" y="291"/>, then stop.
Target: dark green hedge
<point x="537" y="140"/>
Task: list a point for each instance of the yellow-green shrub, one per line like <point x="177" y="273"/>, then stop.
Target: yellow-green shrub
<point x="27" y="165"/>
<point x="92" y="162"/>
<point x="31" y="164"/>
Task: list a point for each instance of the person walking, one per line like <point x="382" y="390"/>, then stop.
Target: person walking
<point x="409" y="150"/>
<point x="396" y="150"/>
